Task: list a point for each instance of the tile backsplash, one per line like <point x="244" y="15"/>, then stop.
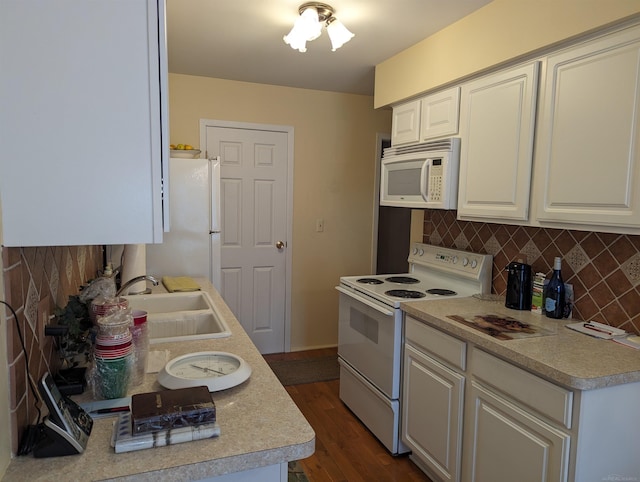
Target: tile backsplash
<point x="37" y="280"/>
<point x="604" y="268"/>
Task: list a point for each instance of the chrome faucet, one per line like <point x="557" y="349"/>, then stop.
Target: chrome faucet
<point x="137" y="279"/>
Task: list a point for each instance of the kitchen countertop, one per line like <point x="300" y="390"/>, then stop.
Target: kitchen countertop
<point x="259" y="423"/>
<point x="568" y="358"/>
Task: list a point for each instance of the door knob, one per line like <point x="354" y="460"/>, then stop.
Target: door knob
<point x="279" y="245"/>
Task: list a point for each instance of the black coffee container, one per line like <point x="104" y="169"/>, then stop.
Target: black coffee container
<point x="518" y="286"/>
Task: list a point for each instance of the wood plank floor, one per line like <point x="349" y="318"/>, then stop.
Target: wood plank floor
<point x="345" y="449"/>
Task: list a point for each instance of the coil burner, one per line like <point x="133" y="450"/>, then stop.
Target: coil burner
<point x="405" y="294"/>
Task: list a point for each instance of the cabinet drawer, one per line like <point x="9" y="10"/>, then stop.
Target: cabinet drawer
<point x="446" y="347"/>
<point x="542" y="396"/>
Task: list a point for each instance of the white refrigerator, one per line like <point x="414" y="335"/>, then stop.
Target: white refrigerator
<point x="192" y="245"/>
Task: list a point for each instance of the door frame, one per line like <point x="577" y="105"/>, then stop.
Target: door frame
<point x="380" y="138"/>
<point x="289" y="130"/>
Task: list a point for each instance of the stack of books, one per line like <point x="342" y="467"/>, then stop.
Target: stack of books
<point x="166" y="417"/>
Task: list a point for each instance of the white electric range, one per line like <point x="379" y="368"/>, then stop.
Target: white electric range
<point x="370" y="328"/>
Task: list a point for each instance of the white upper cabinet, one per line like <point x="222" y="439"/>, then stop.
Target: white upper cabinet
<point x="432" y="116"/>
<point x="440" y="113"/>
<point x="405" y="123"/>
<point x="497" y="118"/>
<point x="83" y="122"/>
<point x="588" y="153"/>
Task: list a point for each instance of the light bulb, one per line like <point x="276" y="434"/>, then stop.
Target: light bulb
<point x="339" y="34"/>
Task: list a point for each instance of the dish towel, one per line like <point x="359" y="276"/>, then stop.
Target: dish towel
<point x="180" y="283"/>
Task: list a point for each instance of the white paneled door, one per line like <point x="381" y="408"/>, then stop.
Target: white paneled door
<point x="254" y="167"/>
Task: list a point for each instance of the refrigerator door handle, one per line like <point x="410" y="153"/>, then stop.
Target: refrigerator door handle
<point x="214" y="170"/>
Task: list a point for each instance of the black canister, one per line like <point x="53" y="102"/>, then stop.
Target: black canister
<point x="518" y="286"/>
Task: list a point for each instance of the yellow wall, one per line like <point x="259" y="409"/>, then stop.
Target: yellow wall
<point x="334" y="160"/>
<point x="498" y="32"/>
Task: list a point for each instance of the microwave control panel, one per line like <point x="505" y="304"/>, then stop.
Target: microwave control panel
<point x="436" y="172"/>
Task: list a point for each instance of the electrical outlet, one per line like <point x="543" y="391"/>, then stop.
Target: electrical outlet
<point x="319" y="225"/>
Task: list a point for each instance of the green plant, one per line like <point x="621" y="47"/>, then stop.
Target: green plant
<point x="76" y="341"/>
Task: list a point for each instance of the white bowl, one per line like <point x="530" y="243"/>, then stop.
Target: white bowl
<point x="185" y="153"/>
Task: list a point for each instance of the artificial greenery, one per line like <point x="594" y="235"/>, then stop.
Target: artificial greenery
<point x="75" y="316"/>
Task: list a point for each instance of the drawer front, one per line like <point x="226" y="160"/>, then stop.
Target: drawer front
<point x="542" y="396"/>
<point x="445" y="347"/>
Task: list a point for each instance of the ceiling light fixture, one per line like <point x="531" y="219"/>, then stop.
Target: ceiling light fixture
<point x="308" y="26"/>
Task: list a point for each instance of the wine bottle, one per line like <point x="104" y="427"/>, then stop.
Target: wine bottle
<point x="554" y="292"/>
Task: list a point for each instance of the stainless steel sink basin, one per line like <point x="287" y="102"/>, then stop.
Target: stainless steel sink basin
<point x="180" y="316"/>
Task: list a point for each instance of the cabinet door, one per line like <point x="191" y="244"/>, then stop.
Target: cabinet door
<point x="440" y="113"/>
<point x="505" y="443"/>
<point x="432" y="408"/>
<point x="589" y="135"/>
<point x="80" y="122"/>
<point x="497" y="130"/>
<point x="405" y="123"/>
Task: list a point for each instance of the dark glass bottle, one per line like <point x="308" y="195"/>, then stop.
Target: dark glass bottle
<point x="554" y="292"/>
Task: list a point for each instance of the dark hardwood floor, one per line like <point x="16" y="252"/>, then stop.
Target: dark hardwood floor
<point x="345" y="449"/>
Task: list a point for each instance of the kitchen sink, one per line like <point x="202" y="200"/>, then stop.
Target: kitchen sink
<point x="180" y="316"/>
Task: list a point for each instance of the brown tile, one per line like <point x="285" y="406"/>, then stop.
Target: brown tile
<point x="13" y="287"/>
<point x="510" y="251"/>
<point x="579" y="235"/>
<point x="618" y="283"/>
<point x="614" y="314"/>
<point x="605" y="263"/>
<point x="622" y="249"/>
<point x="14" y="348"/>
<point x="630" y="302"/>
<point x="592" y="245"/>
<point x="499" y="285"/>
<point x="485" y="233"/>
<point x="578" y="288"/>
<point x="586" y="308"/>
<point x="601" y="294"/>
<point x="541" y="239"/>
<point x="520" y="238"/>
<point x="565" y="242"/>
<point x="501" y="234"/>
<point x="635" y="240"/>
<point x="17" y="381"/>
<point x="476" y="244"/>
<point x="589" y="276"/>
<point x="608" y="238"/>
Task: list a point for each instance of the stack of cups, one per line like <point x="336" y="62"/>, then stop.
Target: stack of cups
<point x="102" y="306"/>
<point x="113" y="354"/>
<point x="141" y="345"/>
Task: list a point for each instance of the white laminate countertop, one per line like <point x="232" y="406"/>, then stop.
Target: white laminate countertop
<point x="569" y="358"/>
<point x="259" y="423"/>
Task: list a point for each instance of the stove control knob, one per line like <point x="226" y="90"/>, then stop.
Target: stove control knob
<point x="415" y="251"/>
<point x="465" y="261"/>
<point x="454" y="260"/>
<point x="421" y="252"/>
<point x="474" y="263"/>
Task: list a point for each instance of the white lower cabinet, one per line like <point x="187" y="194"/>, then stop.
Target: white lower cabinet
<point x="470" y="416"/>
<point x="432" y="414"/>
<point x="433" y="396"/>
<point x="504" y="442"/>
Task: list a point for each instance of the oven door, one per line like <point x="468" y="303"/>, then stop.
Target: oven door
<point x="370" y="340"/>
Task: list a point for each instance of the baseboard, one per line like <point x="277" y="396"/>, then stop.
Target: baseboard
<point x="315" y="347"/>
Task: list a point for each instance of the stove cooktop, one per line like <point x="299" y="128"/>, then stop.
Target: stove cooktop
<point x="436" y="273"/>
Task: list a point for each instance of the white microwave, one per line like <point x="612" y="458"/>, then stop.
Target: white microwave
<point x="421" y="175"/>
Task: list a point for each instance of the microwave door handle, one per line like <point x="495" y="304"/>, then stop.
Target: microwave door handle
<point x="424" y="180"/>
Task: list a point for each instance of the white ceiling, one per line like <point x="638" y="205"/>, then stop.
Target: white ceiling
<point x="242" y="39"/>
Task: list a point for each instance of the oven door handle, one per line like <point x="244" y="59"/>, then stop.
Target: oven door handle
<point x="367" y="302"/>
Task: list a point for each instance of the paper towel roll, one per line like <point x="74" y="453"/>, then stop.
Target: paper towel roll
<point x="134" y="263"/>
